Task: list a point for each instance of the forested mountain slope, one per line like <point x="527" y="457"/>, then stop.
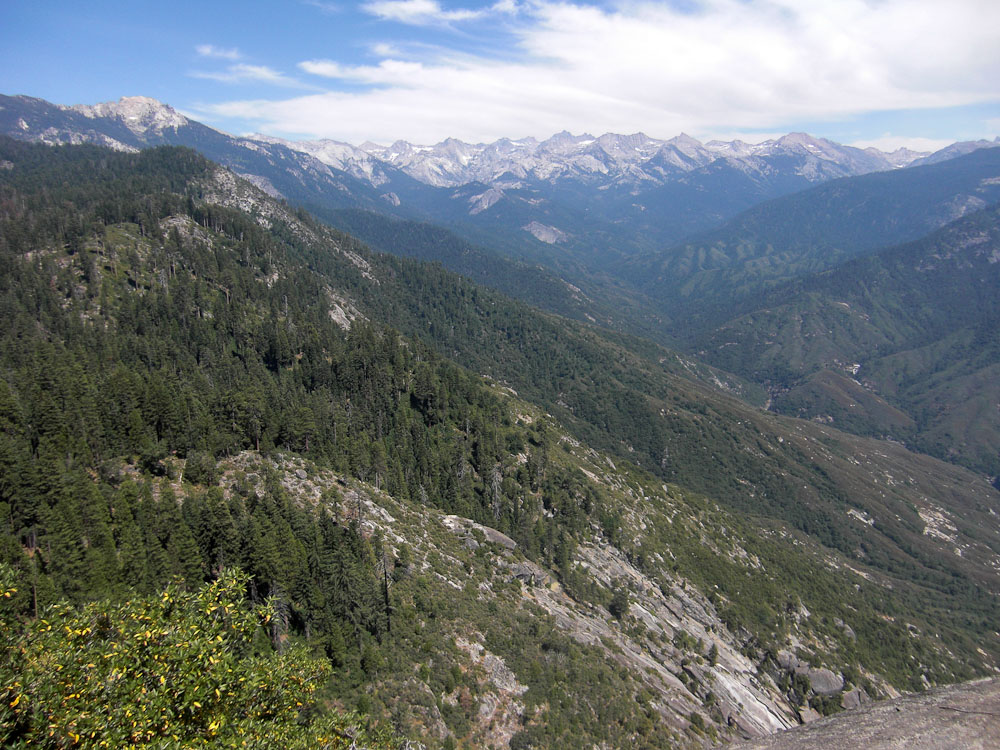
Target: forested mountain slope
<point x="811" y="231"/>
<point x="606" y="302"/>
<point x="139" y="122"/>
<point x="193" y="376"/>
<point x="902" y="342"/>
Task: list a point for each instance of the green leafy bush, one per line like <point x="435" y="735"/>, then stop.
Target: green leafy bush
<point x="180" y="669"/>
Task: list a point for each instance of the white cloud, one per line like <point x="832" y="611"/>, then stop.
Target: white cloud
<point x="509" y="7"/>
<point x="417" y="12"/>
<point x="328" y="8"/>
<point x="430" y="12"/>
<point x="384" y="49"/>
<point x="714" y="66"/>
<point x="392" y="72"/>
<point x="325" y="68"/>
<point x="222" y="53"/>
<point x="245" y="73"/>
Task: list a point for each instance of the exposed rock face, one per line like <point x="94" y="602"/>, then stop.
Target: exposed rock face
<point x="854" y="699"/>
<point x="529" y="572"/>
<point x="138" y="113"/>
<point x="545" y="233"/>
<point x="822" y="681"/>
<point x="746" y="700"/>
<point x="787" y="660"/>
<point x="671" y="638"/>
<point x="825" y="682"/>
<point x="963" y="716"/>
<point x="500" y="707"/>
<point x="464" y="527"/>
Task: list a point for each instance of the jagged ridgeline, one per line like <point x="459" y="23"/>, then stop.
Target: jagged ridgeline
<point x="194" y="377"/>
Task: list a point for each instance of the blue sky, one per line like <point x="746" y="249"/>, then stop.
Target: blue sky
<point x="879" y="72"/>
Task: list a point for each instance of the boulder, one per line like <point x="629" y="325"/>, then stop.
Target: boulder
<point x="495" y="537"/>
<point x="807" y="714"/>
<point x="854" y="699"/>
<point x="530" y="573"/>
<point x="848" y="630"/>
<point x="825" y="682"/>
<point x="787" y="660"/>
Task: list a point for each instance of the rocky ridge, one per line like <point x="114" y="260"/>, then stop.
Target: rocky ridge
<point x="611" y="158"/>
<point x="671" y="638"/>
<point x="141" y="114"/>
<point x="661" y="640"/>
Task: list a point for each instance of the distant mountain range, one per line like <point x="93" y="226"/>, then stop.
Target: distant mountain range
<point x="596" y="197"/>
<point x="621" y="160"/>
<point x="610" y="159"/>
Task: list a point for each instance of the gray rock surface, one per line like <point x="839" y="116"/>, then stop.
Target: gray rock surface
<point x="848" y="630"/>
<point x="808" y="715"/>
<point x="965" y="716"/>
<point x="464" y="527"/>
<point x="787" y="660"/>
<point x="530" y="573"/>
<point x="495" y="537"/>
<point x="854" y="699"/>
<point x="825" y="682"/>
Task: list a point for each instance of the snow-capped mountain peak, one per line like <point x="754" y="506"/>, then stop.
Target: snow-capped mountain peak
<point x="620" y="159"/>
<point x="732" y="149"/>
<point x="343" y="156"/>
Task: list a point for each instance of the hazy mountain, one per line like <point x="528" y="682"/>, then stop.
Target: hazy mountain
<point x="139" y="122"/>
<point x="955" y="149"/>
<point x="335" y="180"/>
<point x="902" y="342"/>
<point x="628" y="190"/>
<point x="813" y="230"/>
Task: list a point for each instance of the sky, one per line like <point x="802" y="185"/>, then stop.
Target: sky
<point x="888" y="73"/>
